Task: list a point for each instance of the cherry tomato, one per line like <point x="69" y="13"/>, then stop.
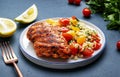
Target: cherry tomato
<point x="88" y="52"/>
<point x="71" y="1"/>
<point x="67" y="36"/>
<point x="77" y="2"/>
<point x="86" y="12"/>
<point x="74" y="48"/>
<point x="97" y="46"/>
<point x="64" y="21"/>
<point x="118" y="45"/>
<point x="64" y="29"/>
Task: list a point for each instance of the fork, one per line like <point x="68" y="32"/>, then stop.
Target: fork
<point x="9" y="56"/>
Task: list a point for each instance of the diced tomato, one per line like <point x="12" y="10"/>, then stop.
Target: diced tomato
<point x="74" y="48"/>
<point x="80" y="48"/>
<point x="74" y="17"/>
<point x="87" y="52"/>
<point x="64" y="29"/>
<point x="97" y="46"/>
<point x="67" y="36"/>
<point x="96" y="38"/>
<point x="64" y="21"/>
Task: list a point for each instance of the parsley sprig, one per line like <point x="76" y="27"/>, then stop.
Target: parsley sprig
<point x="110" y="10"/>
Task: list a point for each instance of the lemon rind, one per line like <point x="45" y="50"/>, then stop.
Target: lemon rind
<point x="9" y="32"/>
<point x="22" y="20"/>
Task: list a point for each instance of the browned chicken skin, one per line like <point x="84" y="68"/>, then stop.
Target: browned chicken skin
<point x="48" y="41"/>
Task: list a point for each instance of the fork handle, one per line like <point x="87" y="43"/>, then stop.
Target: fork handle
<point x="17" y="69"/>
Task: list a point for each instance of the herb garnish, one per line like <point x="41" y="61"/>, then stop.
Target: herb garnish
<point x="110" y="10"/>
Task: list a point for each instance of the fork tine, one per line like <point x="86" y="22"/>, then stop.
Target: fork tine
<point x="9" y="56"/>
<point x="11" y="50"/>
<point x="4" y="54"/>
<point x="7" y="51"/>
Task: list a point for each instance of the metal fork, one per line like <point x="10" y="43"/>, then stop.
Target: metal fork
<point x="9" y="56"/>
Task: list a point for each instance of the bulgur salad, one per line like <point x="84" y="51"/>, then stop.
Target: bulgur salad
<point x="82" y="40"/>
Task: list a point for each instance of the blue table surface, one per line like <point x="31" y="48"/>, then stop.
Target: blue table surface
<point x="107" y="65"/>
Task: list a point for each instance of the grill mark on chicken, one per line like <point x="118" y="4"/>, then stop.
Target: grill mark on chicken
<point x="48" y="41"/>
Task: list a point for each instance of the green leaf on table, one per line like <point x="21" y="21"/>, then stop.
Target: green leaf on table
<point x="110" y="10"/>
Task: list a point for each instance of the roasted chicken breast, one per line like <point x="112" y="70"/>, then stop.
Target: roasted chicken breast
<point x="48" y="41"/>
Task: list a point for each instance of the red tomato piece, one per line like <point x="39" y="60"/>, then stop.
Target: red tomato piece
<point x="97" y="46"/>
<point x="86" y="12"/>
<point x="64" y="29"/>
<point x="64" y="21"/>
<point x="96" y="38"/>
<point x="77" y="2"/>
<point x="74" y="49"/>
<point x="88" y="52"/>
<point x="80" y="48"/>
<point x="74" y="17"/>
<point x="118" y="45"/>
<point x="71" y="1"/>
<point x="67" y="36"/>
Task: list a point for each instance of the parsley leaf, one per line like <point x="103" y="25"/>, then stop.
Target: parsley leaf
<point x="110" y="10"/>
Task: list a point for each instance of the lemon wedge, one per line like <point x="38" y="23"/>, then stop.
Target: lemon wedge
<point x="7" y="27"/>
<point x="28" y="15"/>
